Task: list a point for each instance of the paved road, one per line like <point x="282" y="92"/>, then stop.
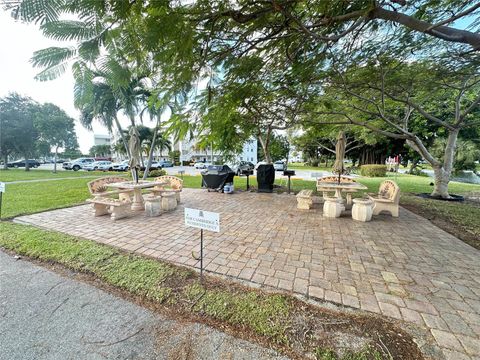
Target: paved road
<point x="46" y="316"/>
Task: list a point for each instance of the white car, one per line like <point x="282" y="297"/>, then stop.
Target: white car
<point x="99" y="165"/>
<point x="280" y="165"/>
<point x="121" y="166"/>
<point x="201" y="165"/>
<point x="77" y="164"/>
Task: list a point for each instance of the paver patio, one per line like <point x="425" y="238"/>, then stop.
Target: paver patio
<point x="405" y="268"/>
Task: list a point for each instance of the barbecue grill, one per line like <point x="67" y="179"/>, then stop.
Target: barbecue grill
<point x="216" y="176"/>
<point x="289" y="173"/>
<point x="265" y="177"/>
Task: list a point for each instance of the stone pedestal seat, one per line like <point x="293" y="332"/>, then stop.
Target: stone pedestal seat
<point x="333" y="207"/>
<point x="362" y="210"/>
<point x="153" y="206"/>
<point x="169" y="201"/>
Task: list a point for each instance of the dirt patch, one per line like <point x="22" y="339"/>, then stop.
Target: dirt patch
<point x="309" y="327"/>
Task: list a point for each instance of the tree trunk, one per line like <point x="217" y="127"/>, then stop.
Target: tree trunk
<point x="442" y="173"/>
<point x="442" y="178"/>
<point x="27" y="164"/>
<point x="5" y="161"/>
<point x="122" y="135"/>
<point x="55" y="160"/>
<point x="266" y="145"/>
<point x="413" y="166"/>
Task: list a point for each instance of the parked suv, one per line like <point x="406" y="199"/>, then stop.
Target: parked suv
<point x="77" y="164"/>
<point x="241" y="166"/>
<point x="121" y="166"/>
<point x="99" y="165"/>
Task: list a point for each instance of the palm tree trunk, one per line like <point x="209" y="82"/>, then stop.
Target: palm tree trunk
<point x="122" y="135"/>
<point x="152" y="148"/>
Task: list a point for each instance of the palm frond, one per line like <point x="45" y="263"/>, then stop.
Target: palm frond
<point x="89" y="50"/>
<point x="36" y="11"/>
<point x="64" y="30"/>
<point x="52" y="72"/>
<point x="52" y="56"/>
<point x="83" y="88"/>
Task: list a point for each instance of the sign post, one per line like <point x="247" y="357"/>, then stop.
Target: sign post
<point x="2" y="190"/>
<point x="203" y="220"/>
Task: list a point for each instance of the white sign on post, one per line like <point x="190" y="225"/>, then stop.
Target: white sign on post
<point x="2" y="187"/>
<point x="202" y="219"/>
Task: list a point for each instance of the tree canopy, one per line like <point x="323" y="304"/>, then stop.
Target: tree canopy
<point x="233" y="70"/>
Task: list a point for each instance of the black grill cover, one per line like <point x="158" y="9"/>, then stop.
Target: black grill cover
<point x="216" y="176"/>
<point x="265" y="177"/>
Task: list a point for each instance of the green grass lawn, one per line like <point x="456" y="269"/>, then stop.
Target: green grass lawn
<point x="32" y="197"/>
<point x="35" y="174"/>
<point x="302" y="166"/>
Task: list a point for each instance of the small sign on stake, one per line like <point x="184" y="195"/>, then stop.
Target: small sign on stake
<point x="2" y="190"/>
<point x="203" y="220"/>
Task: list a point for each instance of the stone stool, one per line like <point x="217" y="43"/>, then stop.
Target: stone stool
<point x="169" y="201"/>
<point x="362" y="210"/>
<point x="333" y="207"/>
<point x="153" y="206"/>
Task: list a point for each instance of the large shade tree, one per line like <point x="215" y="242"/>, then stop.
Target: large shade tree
<point x="189" y="39"/>
<point x="56" y="129"/>
<point x="401" y="99"/>
<point x="17" y="119"/>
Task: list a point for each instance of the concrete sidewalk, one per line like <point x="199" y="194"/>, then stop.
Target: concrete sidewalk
<point x="47" y="316"/>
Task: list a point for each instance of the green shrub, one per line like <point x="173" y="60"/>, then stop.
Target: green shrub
<point x="156" y="173"/>
<point x="373" y="170"/>
<point x="151" y="174"/>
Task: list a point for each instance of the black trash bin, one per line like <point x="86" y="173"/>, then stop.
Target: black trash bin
<point x="216" y="176"/>
<point x="265" y="177"/>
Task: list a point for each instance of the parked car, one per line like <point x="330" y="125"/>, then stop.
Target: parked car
<point x="239" y="167"/>
<point x="155" y="165"/>
<point x="99" y="165"/>
<point x="121" y="166"/>
<point x="77" y="164"/>
<point x="22" y="163"/>
<point x="165" y="163"/>
<point x="201" y="165"/>
<point x="280" y="165"/>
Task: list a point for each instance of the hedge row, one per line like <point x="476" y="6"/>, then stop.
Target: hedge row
<point x="373" y="170"/>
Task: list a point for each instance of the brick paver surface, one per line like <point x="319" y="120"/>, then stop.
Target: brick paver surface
<point x="405" y="268"/>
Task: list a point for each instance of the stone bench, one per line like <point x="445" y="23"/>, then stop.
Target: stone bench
<point x="116" y="207"/>
<point x="305" y="199"/>
<point x="99" y="188"/>
<point x="387" y="199"/>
